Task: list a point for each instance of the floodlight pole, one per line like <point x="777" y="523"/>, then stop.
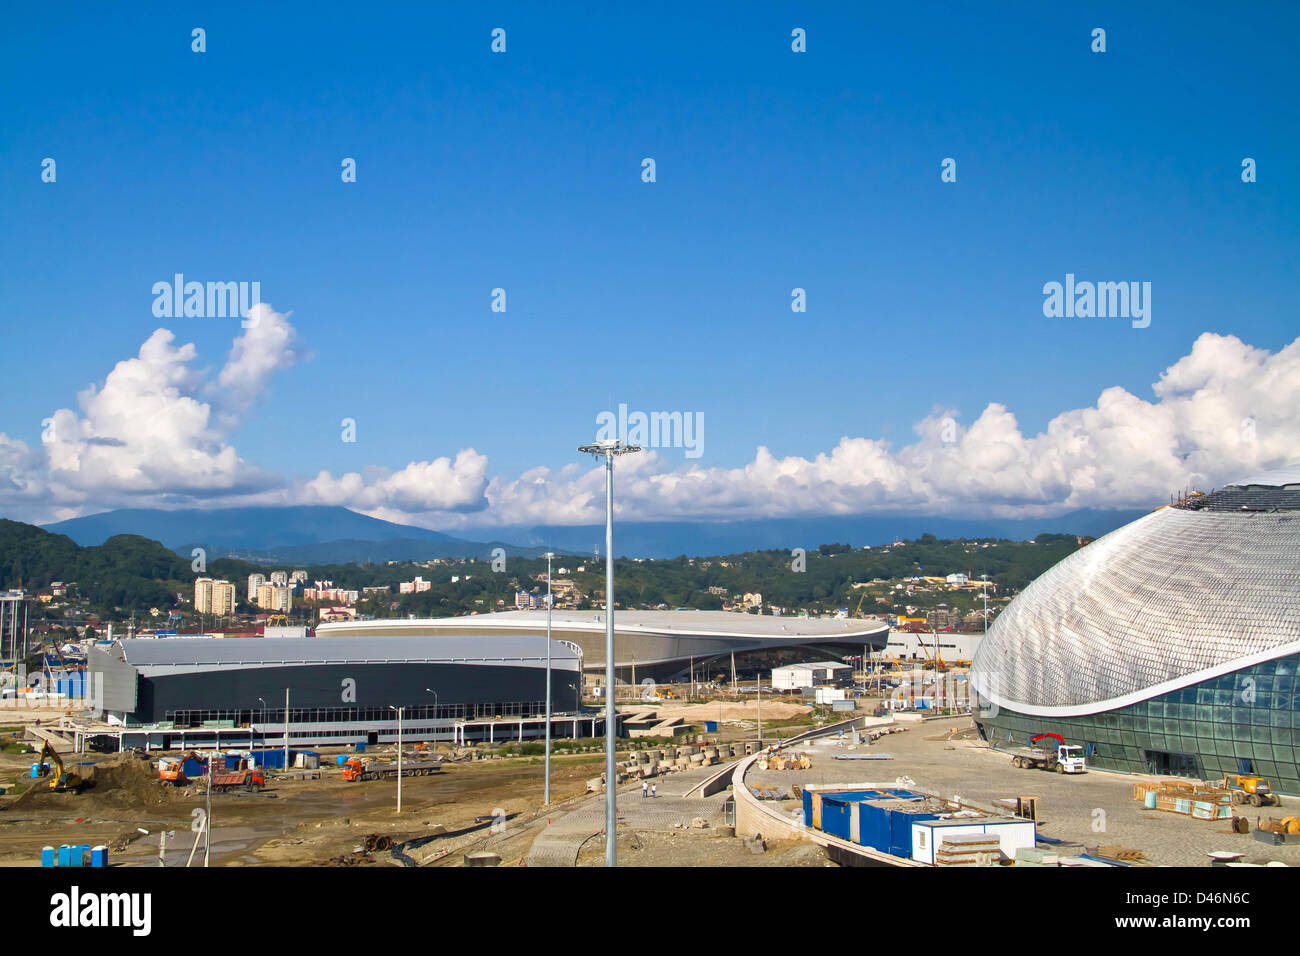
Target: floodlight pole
<point x="546" y="795"/>
<point x="608" y="449"/>
<point x="399" y="754"/>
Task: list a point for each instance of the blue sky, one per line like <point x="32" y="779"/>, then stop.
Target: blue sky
<point x="521" y="170"/>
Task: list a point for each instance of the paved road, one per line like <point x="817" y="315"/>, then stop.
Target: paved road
<point x="559" y="843"/>
<point x="1087" y="810"/>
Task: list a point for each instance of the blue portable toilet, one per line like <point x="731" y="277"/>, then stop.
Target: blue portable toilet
<point x="47" y="856"/>
<point x="361" y="746"/>
<point x="64" y="855"/>
<point x="99" y="856"/>
<point x="77" y="854"/>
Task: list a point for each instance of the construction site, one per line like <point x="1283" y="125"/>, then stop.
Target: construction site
<point x="876" y="767"/>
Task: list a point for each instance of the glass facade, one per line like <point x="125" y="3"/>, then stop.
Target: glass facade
<point x="1247" y="721"/>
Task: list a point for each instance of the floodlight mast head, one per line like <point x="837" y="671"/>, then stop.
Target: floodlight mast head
<point x="608" y="447"/>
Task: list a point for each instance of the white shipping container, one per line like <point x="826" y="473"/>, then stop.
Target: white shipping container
<point x="1012" y="835"/>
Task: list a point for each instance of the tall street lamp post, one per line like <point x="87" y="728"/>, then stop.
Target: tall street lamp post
<point x="546" y="794"/>
<point x="609" y="449"/>
<point x="399" y="755"/>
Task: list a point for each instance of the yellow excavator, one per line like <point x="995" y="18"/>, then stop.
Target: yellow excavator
<point x="61" y="780"/>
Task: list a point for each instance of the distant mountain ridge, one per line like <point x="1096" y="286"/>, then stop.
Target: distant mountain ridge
<point x="306" y="534"/>
<point x="668" y="539"/>
<point x="313" y="534"/>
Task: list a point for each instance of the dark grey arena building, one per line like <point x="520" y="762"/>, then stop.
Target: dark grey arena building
<point x="1169" y="646"/>
<point x="178" y="692"/>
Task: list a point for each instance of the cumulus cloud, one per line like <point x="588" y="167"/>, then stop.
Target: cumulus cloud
<point x="421" y="487"/>
<point x="148" y="432"/>
<point x="145" y="436"/>
<point x="262" y="349"/>
<point x="1220" y="413"/>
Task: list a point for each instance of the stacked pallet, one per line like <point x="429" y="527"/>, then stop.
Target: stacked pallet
<point x="781" y="762"/>
<point x="1190" y="798"/>
<point x="969" y="849"/>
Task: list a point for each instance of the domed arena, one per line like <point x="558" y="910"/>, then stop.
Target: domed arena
<point x="1170" y="645"/>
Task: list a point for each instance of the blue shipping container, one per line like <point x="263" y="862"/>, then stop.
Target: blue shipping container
<point x="900" y="830"/>
<point x="873" y="826"/>
<point x="835" y="816"/>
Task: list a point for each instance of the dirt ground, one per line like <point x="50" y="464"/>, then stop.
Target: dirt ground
<point x="732" y="710"/>
<point x="292" y="822"/>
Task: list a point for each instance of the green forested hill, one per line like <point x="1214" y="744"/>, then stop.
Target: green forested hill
<point x="134" y="573"/>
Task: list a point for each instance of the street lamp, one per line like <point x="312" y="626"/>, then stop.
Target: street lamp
<point x="263" y="703"/>
<point x="430" y="690"/>
<point x="546" y="794"/>
<point x="399" y="755"/>
<point x="609" y="449"/>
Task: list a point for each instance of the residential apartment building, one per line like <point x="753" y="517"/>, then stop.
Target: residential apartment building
<point x="214" y="597"/>
<point x="275" y="597"/>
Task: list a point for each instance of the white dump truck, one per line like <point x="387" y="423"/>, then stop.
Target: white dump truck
<point x="1062" y="758"/>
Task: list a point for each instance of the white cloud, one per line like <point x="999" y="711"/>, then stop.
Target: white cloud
<point x="1219" y="413"/>
<point x="147" y="434"/>
<point x="421" y="487"/>
<point x="145" y="437"/>
<point x="262" y="349"/>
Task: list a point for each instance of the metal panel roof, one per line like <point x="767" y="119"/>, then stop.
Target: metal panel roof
<point x="181" y="652"/>
<point x="1277" y="478"/>
<point x="672" y="623"/>
<point x="1167" y="601"/>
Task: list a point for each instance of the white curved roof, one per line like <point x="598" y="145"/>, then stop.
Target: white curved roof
<point x="724" y="624"/>
<point x="1171" y="599"/>
<point x="1277" y="478"/>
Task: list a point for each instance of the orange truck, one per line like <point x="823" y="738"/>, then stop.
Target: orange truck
<point x="355" y="770"/>
<point x="239" y="780"/>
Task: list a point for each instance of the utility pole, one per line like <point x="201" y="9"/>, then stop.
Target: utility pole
<point x="609" y="449"/>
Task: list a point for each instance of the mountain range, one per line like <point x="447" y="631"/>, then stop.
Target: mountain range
<point x="309" y="534"/>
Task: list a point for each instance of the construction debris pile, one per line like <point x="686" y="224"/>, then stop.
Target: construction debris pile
<point x="791" y="761"/>
<point x="641" y="764"/>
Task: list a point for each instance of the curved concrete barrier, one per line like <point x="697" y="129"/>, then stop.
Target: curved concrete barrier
<point x="753" y="817"/>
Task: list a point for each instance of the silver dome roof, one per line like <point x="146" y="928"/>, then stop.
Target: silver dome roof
<point x="1171" y="599"/>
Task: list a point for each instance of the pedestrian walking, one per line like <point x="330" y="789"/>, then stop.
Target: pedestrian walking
<point x="654" y="791"/>
<point x="644" y="787"/>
